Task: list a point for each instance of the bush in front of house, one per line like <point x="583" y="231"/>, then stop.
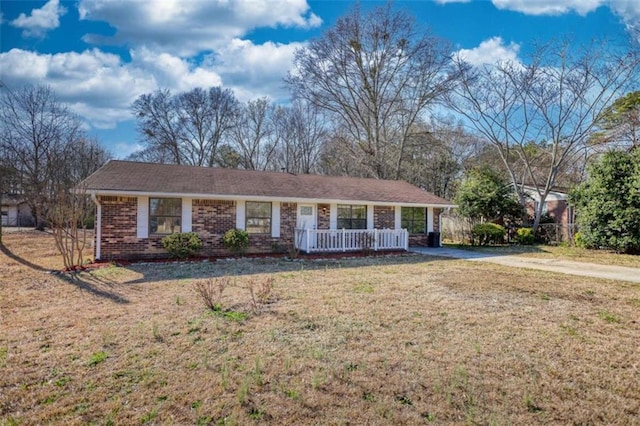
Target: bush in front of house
<point x="484" y="234"/>
<point x="525" y="236"/>
<point x="182" y="245"/>
<point x="236" y="240"/>
<point x="579" y="241"/>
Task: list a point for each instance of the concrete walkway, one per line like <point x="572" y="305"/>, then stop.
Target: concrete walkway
<point x="620" y="273"/>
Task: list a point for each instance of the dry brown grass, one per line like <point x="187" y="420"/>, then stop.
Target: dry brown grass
<point x="397" y="340"/>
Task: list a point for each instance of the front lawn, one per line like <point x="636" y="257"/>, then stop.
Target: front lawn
<point x="387" y="340"/>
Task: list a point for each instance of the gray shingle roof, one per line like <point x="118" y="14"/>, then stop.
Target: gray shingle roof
<point x="126" y="176"/>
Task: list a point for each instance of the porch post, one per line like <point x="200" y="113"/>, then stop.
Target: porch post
<point x="344" y="247"/>
<point x="375" y="239"/>
<point x="306" y="231"/>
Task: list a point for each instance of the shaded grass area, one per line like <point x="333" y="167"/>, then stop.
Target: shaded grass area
<point x="387" y="340"/>
<point x="577" y="254"/>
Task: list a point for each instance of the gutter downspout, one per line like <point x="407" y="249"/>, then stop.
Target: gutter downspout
<point x="97" y="228"/>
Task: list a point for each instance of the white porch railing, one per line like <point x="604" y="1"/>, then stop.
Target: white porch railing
<point x="325" y="240"/>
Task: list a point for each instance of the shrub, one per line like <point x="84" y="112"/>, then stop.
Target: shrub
<point x="182" y="245"/>
<point x="260" y="292"/>
<point x="579" y="240"/>
<point x="210" y="291"/>
<point x="525" y="236"/>
<point x="236" y="240"/>
<point x="487" y="233"/>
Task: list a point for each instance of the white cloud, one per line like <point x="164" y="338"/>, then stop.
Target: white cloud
<point x="549" y="7"/>
<point x="41" y="20"/>
<point x="125" y="149"/>
<point x="255" y="70"/>
<point x="173" y="72"/>
<point x="186" y="28"/>
<point x="629" y="11"/>
<point x="490" y="51"/>
<point x="96" y="85"/>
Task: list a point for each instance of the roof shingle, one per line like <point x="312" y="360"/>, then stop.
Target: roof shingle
<point x="149" y="178"/>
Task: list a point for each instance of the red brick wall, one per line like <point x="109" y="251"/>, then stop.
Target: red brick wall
<point x="436" y="219"/>
<point x="210" y="219"/>
<point x="384" y="217"/>
<point x="119" y="231"/>
<point x="288" y="215"/>
<point x="557" y="209"/>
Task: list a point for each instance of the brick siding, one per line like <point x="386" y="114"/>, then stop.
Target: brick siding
<point x="210" y="219"/>
<point x="384" y="217"/>
<point x="119" y="231"/>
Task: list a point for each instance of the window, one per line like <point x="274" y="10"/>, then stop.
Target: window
<point x="352" y="217"/>
<point x="414" y="219"/>
<point x="258" y="217"/>
<point x="165" y="215"/>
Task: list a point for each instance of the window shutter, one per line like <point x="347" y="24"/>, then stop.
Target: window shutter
<point x="275" y="219"/>
<point x="143" y="217"/>
<point x="186" y="215"/>
<point x="240" y="215"/>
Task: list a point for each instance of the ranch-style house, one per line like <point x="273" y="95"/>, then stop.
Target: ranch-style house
<point x="140" y="203"/>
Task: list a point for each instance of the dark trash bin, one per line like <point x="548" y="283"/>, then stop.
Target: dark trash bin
<point x="433" y="239"/>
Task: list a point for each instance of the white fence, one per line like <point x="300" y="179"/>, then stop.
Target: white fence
<point x="324" y="240"/>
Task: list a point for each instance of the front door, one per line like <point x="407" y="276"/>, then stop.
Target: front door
<point x="306" y="220"/>
<point x="306" y="216"/>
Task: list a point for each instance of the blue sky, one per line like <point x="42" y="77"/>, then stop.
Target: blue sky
<point x="100" y="55"/>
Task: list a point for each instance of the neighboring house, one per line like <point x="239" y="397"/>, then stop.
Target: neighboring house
<point x="555" y="206"/>
<point x="15" y="211"/>
<point x="139" y="203"/>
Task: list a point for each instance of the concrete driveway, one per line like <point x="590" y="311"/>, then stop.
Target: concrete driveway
<point x="620" y="273"/>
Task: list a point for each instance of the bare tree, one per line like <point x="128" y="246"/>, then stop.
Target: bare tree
<point x="437" y="154"/>
<point x="302" y="130"/>
<point x="554" y="99"/>
<point x="186" y="128"/>
<point x="35" y="129"/>
<point x="376" y="74"/>
<point x="255" y="137"/>
<point x="69" y="217"/>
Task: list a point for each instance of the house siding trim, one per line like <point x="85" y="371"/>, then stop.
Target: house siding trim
<point x="370" y="217"/>
<point x="261" y="198"/>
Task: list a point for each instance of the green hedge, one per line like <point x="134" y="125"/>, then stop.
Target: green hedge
<point x="236" y="240"/>
<point x="182" y="245"/>
<point x="525" y="236"/>
<point x="487" y="233"/>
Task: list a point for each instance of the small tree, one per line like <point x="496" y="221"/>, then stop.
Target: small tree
<point x="69" y="217"/>
<point x="484" y="196"/>
<point x="608" y="202"/>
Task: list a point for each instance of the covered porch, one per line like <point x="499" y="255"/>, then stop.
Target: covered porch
<point x="343" y="240"/>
